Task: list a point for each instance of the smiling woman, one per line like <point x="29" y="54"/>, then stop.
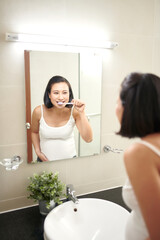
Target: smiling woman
<point x="53" y="123"/>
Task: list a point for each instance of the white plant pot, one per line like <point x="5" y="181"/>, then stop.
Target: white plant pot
<point x="43" y="209"/>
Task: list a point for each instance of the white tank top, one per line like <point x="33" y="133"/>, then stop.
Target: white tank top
<point x="57" y="142"/>
<point x="136" y="228"/>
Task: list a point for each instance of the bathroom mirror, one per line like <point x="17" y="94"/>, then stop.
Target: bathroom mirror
<point x="84" y="71"/>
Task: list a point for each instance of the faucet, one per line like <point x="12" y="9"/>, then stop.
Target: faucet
<point x="70" y="192"/>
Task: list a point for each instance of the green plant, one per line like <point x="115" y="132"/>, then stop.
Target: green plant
<point x="47" y="187"/>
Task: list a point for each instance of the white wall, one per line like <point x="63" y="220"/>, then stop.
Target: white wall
<point x="134" y="24"/>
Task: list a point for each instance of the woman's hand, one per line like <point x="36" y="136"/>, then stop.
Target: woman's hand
<point x="42" y="156"/>
<point x="79" y="105"/>
<point x="82" y="120"/>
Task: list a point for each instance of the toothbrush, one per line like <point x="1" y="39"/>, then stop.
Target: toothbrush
<point x="68" y="103"/>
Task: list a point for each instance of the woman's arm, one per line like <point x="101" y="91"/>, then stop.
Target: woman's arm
<point x="82" y="123"/>
<point x="142" y="166"/>
<point x="35" y="133"/>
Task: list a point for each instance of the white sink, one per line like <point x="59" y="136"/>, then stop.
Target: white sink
<point x="90" y="219"/>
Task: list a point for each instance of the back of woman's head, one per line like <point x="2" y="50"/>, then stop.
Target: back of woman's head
<point x="140" y="97"/>
<point x="53" y="80"/>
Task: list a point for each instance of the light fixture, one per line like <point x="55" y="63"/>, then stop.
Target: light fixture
<point x="42" y="39"/>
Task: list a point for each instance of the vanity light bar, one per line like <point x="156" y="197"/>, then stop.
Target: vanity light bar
<point x="35" y="38"/>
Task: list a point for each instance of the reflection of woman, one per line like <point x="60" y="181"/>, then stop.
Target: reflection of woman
<point x="53" y="123"/>
<point x="138" y="111"/>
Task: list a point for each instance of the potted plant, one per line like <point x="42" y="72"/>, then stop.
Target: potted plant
<point x="46" y="188"/>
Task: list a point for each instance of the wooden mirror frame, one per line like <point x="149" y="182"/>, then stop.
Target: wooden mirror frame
<point x="28" y="105"/>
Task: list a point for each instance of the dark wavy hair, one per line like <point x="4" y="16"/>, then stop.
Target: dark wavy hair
<point x="140" y="96"/>
<point x="53" y="80"/>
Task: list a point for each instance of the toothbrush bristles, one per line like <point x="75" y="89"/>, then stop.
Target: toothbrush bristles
<point x="61" y="103"/>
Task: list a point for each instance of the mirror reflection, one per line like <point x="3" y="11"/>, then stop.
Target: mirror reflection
<point x="63" y="90"/>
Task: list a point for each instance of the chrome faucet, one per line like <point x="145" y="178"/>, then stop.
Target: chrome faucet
<point x="70" y="192"/>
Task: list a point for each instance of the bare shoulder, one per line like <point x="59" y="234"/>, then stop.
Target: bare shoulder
<point x="37" y="112"/>
<point x="136" y="156"/>
<point x="37" y="109"/>
<point x="133" y="149"/>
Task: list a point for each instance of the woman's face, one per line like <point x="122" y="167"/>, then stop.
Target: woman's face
<point x="119" y="110"/>
<point x="59" y="93"/>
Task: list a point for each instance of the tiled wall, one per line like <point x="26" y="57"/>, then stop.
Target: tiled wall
<point x="134" y="24"/>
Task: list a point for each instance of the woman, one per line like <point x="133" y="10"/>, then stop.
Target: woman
<point x="138" y="111"/>
<point x="53" y="123"/>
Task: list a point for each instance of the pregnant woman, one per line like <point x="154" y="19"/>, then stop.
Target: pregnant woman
<point x="138" y="111"/>
<point x="53" y="123"/>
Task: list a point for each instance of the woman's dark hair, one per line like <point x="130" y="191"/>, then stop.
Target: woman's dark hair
<point x="140" y="97"/>
<point x="53" y="80"/>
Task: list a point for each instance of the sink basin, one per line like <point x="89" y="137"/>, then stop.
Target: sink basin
<point x="90" y="219"/>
